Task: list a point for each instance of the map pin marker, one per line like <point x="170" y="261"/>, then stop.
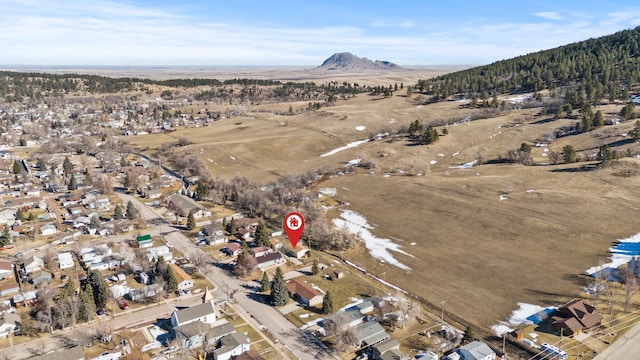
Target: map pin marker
<point x="293" y="226"/>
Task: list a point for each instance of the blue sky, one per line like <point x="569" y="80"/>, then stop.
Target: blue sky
<point x="297" y="32"/>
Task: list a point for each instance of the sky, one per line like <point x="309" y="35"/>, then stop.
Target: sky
<point x="296" y="32"/>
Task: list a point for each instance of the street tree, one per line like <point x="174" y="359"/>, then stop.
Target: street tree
<point x="265" y="283"/>
<point x="327" y="303"/>
<point x="117" y="212"/>
<point x="315" y="269"/>
<point x="279" y="293"/>
<point x="261" y="235"/>
<point x="98" y="287"/>
<point x="191" y="221"/>
<point x="131" y="212"/>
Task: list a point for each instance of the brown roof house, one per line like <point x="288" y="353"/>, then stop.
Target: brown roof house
<point x="304" y="292"/>
<point x="575" y="317"/>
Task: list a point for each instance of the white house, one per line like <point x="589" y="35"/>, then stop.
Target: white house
<point x="232" y="345"/>
<point x="185" y="282"/>
<point x="66" y="260"/>
<point x="9" y="323"/>
<point x="475" y="350"/>
<point x="7" y="217"/>
<point x="155" y="252"/>
<point x="204" y="312"/>
<point x="48" y="229"/>
<point x="6" y="269"/>
<point x="32" y="264"/>
<point x="114" y="354"/>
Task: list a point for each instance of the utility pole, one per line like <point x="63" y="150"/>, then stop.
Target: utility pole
<point x="442" y="313"/>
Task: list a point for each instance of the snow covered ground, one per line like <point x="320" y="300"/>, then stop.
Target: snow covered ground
<point x="525" y="314"/>
<point x="331" y="192"/>
<point x="348" y="146"/>
<point x="621" y="253"/>
<point x="379" y="248"/>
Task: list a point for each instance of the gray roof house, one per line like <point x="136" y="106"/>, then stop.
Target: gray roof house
<point x="204" y="312"/>
<point x="475" y="350"/>
<point x="231" y="345"/>
<point x="369" y="333"/>
<point x="184" y="205"/>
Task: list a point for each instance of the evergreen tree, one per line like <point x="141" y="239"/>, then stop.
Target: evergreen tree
<point x="73" y="184"/>
<point x="231" y="227"/>
<point x="117" y="212"/>
<point x="67" y="166"/>
<point x="170" y="278"/>
<point x="67" y="291"/>
<point x="191" y="221"/>
<point x="598" y="119"/>
<point x="261" y="235"/>
<point x="17" y="168"/>
<point x="87" y="303"/>
<point x="20" y="215"/>
<point x="327" y="303"/>
<point x="469" y="334"/>
<point x="314" y="268"/>
<point x="525" y="148"/>
<point x="279" y="293"/>
<point x="94" y="222"/>
<point x="42" y="166"/>
<point x="569" y="154"/>
<point x="98" y="287"/>
<point x="265" y="283"/>
<point x="32" y="216"/>
<point x="131" y="212"/>
<point x="636" y="131"/>
<point x="6" y="236"/>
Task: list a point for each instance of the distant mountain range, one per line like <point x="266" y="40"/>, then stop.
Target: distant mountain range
<point x="348" y="61"/>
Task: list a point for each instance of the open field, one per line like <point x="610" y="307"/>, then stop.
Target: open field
<point x="473" y="250"/>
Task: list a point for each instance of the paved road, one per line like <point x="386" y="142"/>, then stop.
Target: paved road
<point x="627" y="347"/>
<point x="283" y="330"/>
<point x="122" y="320"/>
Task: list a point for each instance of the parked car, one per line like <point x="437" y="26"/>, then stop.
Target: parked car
<point x="124" y="305"/>
<point x="100" y="312"/>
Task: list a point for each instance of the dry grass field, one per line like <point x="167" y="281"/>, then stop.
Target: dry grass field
<point x="473" y="250"/>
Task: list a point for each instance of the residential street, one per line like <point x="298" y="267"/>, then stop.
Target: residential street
<point x="623" y="348"/>
<point x="283" y="330"/>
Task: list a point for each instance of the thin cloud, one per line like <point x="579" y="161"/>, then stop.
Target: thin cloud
<point x="549" y="15"/>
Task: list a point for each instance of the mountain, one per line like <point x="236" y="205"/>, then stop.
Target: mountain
<point x="348" y="61"/>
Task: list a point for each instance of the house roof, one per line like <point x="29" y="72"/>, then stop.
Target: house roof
<point x="393" y="354"/>
<point x="233" y="247"/>
<point x="9" y="318"/>
<point x="260" y="249"/>
<point x="249" y="355"/>
<point x="191" y="329"/>
<point x="6" y="265"/>
<point x="4" y="286"/>
<point x="370" y="333"/>
<point x="65" y="257"/>
<point x="478" y="349"/>
<point x="195" y="312"/>
<point x="386" y="345"/>
<point x="232" y="341"/>
<point x="75" y="353"/>
<point x="184" y="203"/>
<point x="268" y="257"/>
<point x="584" y="314"/>
<point x="304" y="290"/>
<point x="222" y="330"/>
<point x="179" y="273"/>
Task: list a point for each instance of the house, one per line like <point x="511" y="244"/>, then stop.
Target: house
<point x="349" y="318"/>
<point x="113" y="354"/>
<point x="268" y="260"/>
<point x="41" y="277"/>
<point x="74" y="353"/>
<point x="144" y="241"/>
<point x="249" y="355"/>
<point x="9" y="324"/>
<point x="575" y="317"/>
<point x="260" y="251"/>
<point x="231" y="345"/>
<point x="204" y="312"/>
<point x="300" y="252"/>
<point x="9" y="287"/>
<point x="185" y="205"/>
<point x="32" y="263"/>
<point x="6" y="269"/>
<point x="304" y="292"/>
<point x="232" y="249"/>
<point x="369" y="333"/>
<point x="153" y="254"/>
<point x="337" y="274"/>
<point x="194" y="334"/>
<point x="7" y="217"/>
<point x="48" y="229"/>
<point x="24" y="299"/>
<point x="475" y="350"/>
<point x="66" y="260"/>
<point x="185" y="282"/>
<point x="144" y="293"/>
<point x="380" y="350"/>
<point x="153" y="194"/>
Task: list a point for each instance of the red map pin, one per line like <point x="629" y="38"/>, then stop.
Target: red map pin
<point x="293" y="226"/>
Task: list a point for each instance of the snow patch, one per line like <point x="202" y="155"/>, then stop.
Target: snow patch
<point x="413" y="243"/>
<point x="348" y="146"/>
<point x="503" y="197"/>
<point x="519" y="316"/>
<point x="232" y="157"/>
<point x="468" y="165"/>
<point x="379" y="248"/>
<point x="360" y="128"/>
<point x="621" y="253"/>
<point x="441" y="155"/>
<point x="433" y="162"/>
<point x="331" y="192"/>
<point x="456" y="153"/>
<point x="392" y="121"/>
<point x="354" y="162"/>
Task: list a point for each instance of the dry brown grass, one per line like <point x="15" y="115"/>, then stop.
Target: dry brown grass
<point x="479" y="254"/>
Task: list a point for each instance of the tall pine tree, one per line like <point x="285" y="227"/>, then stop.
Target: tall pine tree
<point x="279" y="293"/>
<point x="265" y="283"/>
<point x="261" y="235"/>
<point x="327" y="303"/>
